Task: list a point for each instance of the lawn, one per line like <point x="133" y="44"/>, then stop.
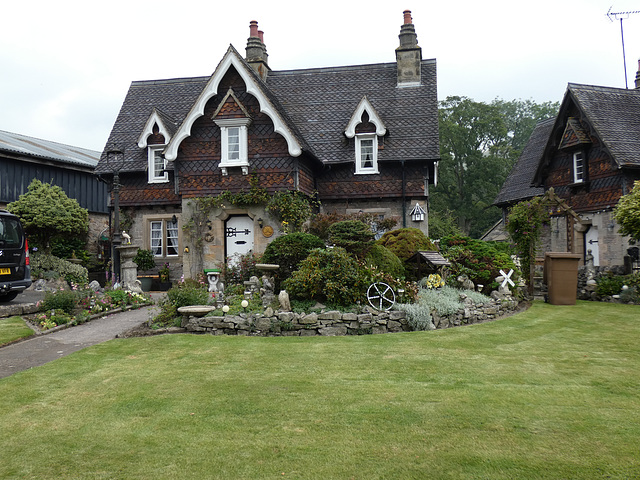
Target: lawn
<point x="552" y="393"/>
<point x="12" y="329"/>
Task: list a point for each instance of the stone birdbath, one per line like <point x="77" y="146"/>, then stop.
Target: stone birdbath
<point x="196" y="310"/>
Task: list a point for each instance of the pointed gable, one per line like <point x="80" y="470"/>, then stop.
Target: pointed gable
<point x="254" y="87"/>
<point x="230" y="107"/>
<point x="574" y="135"/>
<point x="365" y="107"/>
<point x="157" y="124"/>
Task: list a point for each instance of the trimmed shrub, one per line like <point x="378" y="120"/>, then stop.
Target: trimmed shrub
<point x="385" y="260"/>
<point x="43" y="264"/>
<point x="189" y="292"/>
<point x="65" y="300"/>
<point x="241" y="269"/>
<point x="288" y="251"/>
<point x="480" y="261"/>
<point x="352" y="235"/>
<point x="404" y="242"/>
<point x="331" y="276"/>
<point x="610" y="285"/>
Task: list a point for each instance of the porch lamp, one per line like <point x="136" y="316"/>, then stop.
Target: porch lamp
<point x="115" y="162"/>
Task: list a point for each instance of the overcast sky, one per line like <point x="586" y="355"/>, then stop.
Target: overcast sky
<point x="66" y="65"/>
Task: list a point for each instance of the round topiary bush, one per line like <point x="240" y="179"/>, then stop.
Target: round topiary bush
<point x="404" y="242"/>
<point x="331" y="276"/>
<point x="385" y="260"/>
<point x="288" y="251"/>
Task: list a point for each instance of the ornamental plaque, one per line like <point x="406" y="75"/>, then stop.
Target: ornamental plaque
<point x="267" y="231"/>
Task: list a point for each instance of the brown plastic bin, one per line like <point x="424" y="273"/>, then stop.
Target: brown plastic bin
<point x="561" y="277"/>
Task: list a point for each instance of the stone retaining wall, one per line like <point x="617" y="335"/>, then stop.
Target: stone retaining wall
<point x="334" y="323"/>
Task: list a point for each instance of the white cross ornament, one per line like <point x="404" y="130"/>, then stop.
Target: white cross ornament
<point x="507" y="278"/>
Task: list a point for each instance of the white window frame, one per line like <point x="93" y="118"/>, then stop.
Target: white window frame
<point x="154" y="152"/>
<point x="360" y="168"/>
<point x="579" y="167"/>
<point x="227" y="126"/>
<point x="167" y="245"/>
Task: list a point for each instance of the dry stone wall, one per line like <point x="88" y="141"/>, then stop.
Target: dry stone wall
<point x="332" y="323"/>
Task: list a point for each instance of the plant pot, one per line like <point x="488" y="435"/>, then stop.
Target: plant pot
<point x="145" y="283"/>
<point x="164" y="286"/>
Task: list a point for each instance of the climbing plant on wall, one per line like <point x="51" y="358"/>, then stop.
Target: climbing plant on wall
<point x="524" y="224"/>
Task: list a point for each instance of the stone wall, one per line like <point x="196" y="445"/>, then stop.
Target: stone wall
<point x="332" y="323"/>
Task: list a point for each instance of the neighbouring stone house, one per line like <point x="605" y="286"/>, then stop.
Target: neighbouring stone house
<point x="24" y="158"/>
<point x="588" y="157"/>
<point x="361" y="138"/>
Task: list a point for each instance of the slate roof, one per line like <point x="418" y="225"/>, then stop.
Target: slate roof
<point x="518" y="185"/>
<point x="321" y="102"/>
<point x="614" y="114"/>
<point x="15" y="144"/>
<point x="173" y="98"/>
<point x="316" y="104"/>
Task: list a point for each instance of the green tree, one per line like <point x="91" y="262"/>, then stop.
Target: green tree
<point x="627" y="213"/>
<point x="479" y="144"/>
<point x="47" y="212"/>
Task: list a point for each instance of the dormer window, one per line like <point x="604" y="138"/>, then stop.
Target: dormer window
<point x="366" y="153"/>
<point x="233" y="134"/>
<point x="157" y="164"/>
<point x="579" y="167"/>
<point x="366" y="126"/>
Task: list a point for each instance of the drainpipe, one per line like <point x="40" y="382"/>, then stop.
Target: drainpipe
<point x="404" y="199"/>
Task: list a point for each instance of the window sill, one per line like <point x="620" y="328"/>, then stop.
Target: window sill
<point x="225" y="166"/>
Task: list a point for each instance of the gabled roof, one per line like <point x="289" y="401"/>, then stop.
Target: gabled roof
<point x="17" y="145"/>
<point x="611" y="114"/>
<point x="614" y="115"/>
<point x="354" y="121"/>
<point x="311" y="109"/>
<point x="321" y="101"/>
<point x="174" y="97"/>
<point x="166" y="126"/>
<point x="254" y="86"/>
<point x="518" y="185"/>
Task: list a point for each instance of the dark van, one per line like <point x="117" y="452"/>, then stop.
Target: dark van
<point x="15" y="272"/>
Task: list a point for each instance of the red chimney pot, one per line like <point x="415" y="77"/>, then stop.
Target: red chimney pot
<point x="253" y="28"/>
<point x="261" y="35"/>
<point x="407" y="17"/>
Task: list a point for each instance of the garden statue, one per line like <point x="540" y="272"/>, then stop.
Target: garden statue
<point x="590" y="268"/>
<point x="126" y="238"/>
<point x="215" y="285"/>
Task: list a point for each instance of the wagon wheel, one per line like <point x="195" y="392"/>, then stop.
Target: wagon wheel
<point x="381" y="296"/>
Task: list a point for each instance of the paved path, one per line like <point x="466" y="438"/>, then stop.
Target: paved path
<point x="45" y="348"/>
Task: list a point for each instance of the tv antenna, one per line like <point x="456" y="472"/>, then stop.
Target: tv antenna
<point x="621" y="16"/>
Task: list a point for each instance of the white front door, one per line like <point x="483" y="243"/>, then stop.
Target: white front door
<point x="239" y="236"/>
<point x="591" y="243"/>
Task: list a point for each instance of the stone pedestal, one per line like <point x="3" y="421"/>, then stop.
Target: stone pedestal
<point x="128" y="269"/>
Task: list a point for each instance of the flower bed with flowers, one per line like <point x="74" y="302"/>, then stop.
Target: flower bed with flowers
<point x="80" y="304"/>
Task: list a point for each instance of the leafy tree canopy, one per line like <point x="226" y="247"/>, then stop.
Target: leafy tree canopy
<point x="627" y="213"/>
<point x="479" y="144"/>
<point x="47" y="212"/>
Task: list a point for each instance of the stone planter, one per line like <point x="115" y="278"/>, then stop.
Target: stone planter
<point x="146" y="282"/>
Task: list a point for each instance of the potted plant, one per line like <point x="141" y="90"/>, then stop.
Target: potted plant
<point x="145" y="261"/>
<point x="164" y="272"/>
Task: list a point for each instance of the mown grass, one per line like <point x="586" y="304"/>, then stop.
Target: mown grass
<point x="550" y="393"/>
<point x="12" y="329"/>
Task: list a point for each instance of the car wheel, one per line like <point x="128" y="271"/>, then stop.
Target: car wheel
<point x="7" y="297"/>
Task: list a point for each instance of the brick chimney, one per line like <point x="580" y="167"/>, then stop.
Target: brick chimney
<point x="408" y="54"/>
<point x="257" y="51"/>
<point x="638" y="76"/>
